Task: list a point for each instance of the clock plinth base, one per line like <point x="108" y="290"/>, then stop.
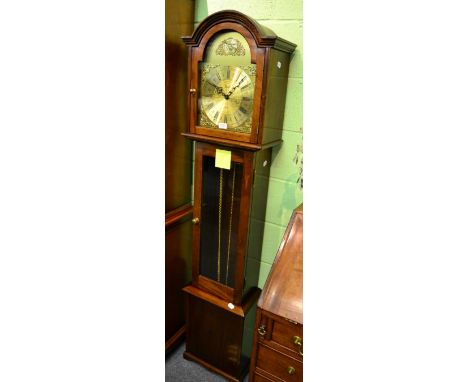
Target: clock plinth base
<point x="214" y="369"/>
<point x="216" y="335"/>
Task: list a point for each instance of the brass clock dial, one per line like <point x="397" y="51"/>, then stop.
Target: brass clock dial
<point x="227" y="83"/>
<point x="227" y="96"/>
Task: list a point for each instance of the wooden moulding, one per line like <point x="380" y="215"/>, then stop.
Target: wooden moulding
<point x="176" y="339"/>
<point x="211" y="286"/>
<point x="239" y="310"/>
<point x="230" y="143"/>
<point x="264" y="37"/>
<point x="179" y="214"/>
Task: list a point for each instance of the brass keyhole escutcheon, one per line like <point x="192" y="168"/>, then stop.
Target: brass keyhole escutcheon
<point x="298" y="342"/>
<point x="195" y="220"/>
<point x="291" y="370"/>
<point x="262" y="330"/>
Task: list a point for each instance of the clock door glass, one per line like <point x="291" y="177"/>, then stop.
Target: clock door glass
<point x="221" y="190"/>
<point x="227" y="84"/>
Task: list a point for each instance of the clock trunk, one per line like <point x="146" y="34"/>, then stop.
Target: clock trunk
<point x="229" y="205"/>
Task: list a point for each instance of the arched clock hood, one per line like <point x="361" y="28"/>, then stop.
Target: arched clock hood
<point x="264" y="37"/>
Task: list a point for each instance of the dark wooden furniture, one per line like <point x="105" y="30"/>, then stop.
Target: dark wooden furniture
<point x="230" y="202"/>
<point x="179" y="20"/>
<point x="277" y="354"/>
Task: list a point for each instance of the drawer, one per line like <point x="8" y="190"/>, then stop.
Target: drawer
<point x="280" y="365"/>
<point x="283" y="333"/>
<point x="278" y="331"/>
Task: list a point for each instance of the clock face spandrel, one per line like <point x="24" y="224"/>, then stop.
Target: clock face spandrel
<point x="227" y="84"/>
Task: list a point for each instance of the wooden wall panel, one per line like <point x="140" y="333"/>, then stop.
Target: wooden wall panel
<point x="178" y="169"/>
<point x="179" y="22"/>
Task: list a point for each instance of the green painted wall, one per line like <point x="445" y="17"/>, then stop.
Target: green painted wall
<point x="284" y="17"/>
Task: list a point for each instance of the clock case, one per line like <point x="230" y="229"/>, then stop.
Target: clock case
<point x="220" y="307"/>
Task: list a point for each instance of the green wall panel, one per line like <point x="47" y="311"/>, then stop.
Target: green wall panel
<point x="290" y="30"/>
<point x="287" y="9"/>
<point x="272" y="240"/>
<point x="293" y="111"/>
<point x="264" y="271"/>
<point x="283" y="198"/>
<point x="259" y="10"/>
<point x="283" y="166"/>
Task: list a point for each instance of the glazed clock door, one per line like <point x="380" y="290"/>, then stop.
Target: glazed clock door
<point x="221" y="197"/>
<point x="226" y="83"/>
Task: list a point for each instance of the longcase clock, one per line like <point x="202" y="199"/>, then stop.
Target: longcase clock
<point x="238" y="72"/>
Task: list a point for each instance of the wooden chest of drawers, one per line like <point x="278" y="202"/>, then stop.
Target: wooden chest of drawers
<point x="277" y="353"/>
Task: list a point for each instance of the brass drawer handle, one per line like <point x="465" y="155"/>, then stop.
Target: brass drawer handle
<point x="291" y="370"/>
<point x="195" y="220"/>
<point x="298" y="341"/>
<point x="193" y="91"/>
<point x="262" y="330"/>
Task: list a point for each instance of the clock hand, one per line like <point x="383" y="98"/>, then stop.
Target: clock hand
<point x="235" y="87"/>
<point x="219" y="89"/>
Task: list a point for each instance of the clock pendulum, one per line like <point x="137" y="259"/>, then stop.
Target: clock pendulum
<point x="238" y="74"/>
<point x="227" y="258"/>
<point x="219" y="220"/>
<point x="230" y="223"/>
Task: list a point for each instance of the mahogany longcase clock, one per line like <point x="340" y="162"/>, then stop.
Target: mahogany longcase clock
<point x="238" y="73"/>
